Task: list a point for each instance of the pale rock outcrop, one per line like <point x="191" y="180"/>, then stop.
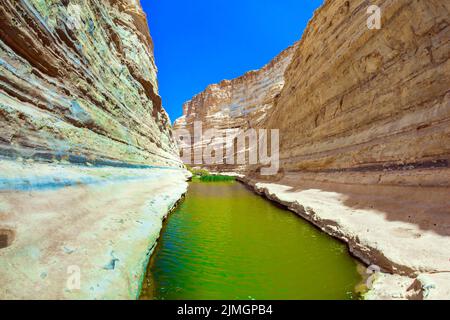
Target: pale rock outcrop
<point x="88" y="165"/>
<point x="81" y="232"/>
<point x="241" y="103"/>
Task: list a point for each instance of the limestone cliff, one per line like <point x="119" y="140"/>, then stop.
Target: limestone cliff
<point x="364" y="121"/>
<point x="351" y="100"/>
<point x="78" y="83"/>
<point x="243" y="102"/>
<point x="360" y="100"/>
<point x="88" y="166"/>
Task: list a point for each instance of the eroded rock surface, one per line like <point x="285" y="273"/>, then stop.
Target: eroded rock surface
<point x="81" y="232"/>
<point x="78" y="82"/>
<point x="369" y="100"/>
<point x="241" y="102"/>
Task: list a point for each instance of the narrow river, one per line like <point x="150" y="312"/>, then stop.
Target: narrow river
<point x="225" y="242"/>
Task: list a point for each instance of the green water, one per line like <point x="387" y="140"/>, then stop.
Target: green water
<point x="225" y="242"/>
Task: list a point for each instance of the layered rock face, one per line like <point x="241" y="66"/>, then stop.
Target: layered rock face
<point x="88" y="165"/>
<point x="241" y="103"/>
<point x="369" y="100"/>
<point x="78" y="83"/>
<point x="364" y="121"/>
<point x="365" y="138"/>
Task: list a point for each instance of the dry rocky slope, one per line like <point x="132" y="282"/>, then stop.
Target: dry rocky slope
<point x="88" y="165"/>
<point x="364" y="119"/>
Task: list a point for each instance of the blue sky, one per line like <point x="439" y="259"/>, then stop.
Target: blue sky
<point x="200" y="42"/>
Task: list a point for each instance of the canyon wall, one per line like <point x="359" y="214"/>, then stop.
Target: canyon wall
<point x="88" y="165"/>
<point x="364" y="120"/>
<point x="349" y="99"/>
<point x="369" y="100"/>
<point x="241" y="103"/>
<point x="78" y="83"/>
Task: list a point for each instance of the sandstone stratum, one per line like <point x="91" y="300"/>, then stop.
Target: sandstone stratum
<point x="364" y="120"/>
<point x="88" y="164"/>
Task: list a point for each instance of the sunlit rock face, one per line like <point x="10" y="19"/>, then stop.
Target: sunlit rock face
<point x="241" y="103"/>
<point x="352" y="104"/>
<point x="369" y="100"/>
<point x="364" y="121"/>
<point x="78" y="83"/>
